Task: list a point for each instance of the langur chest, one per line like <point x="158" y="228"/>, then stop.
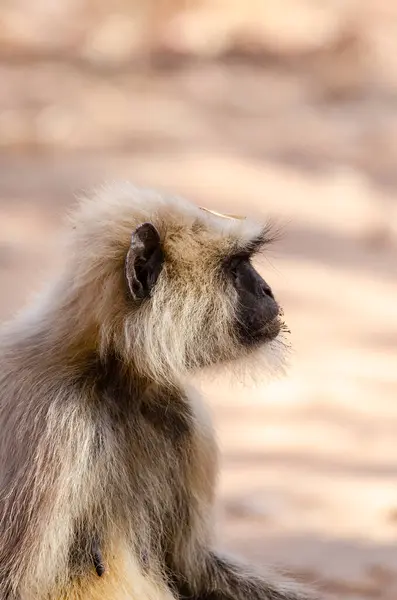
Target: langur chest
<point x="179" y="448"/>
<point x="174" y="461"/>
<point x="165" y="487"/>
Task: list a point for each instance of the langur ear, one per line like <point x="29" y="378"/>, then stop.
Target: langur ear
<point x="144" y="261"/>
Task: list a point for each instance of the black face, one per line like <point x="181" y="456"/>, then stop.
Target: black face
<point x="257" y="313"/>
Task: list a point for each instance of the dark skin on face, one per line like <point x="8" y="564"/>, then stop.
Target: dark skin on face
<point x="257" y="310"/>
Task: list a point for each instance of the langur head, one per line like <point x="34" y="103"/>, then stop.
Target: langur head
<point x="171" y="287"/>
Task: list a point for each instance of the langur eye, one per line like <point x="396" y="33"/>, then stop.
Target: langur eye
<point x="234" y="266"/>
<point x="235" y="262"/>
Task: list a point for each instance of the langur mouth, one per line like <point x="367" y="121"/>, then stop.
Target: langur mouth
<point x="265" y="334"/>
<point x="272" y="329"/>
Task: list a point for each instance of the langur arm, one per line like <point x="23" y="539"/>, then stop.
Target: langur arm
<point x="224" y="579"/>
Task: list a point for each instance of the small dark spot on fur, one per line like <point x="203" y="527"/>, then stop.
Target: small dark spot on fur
<point x="97" y="558"/>
<point x="81" y="553"/>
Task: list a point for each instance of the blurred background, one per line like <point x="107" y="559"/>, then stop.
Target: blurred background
<point x="285" y="107"/>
